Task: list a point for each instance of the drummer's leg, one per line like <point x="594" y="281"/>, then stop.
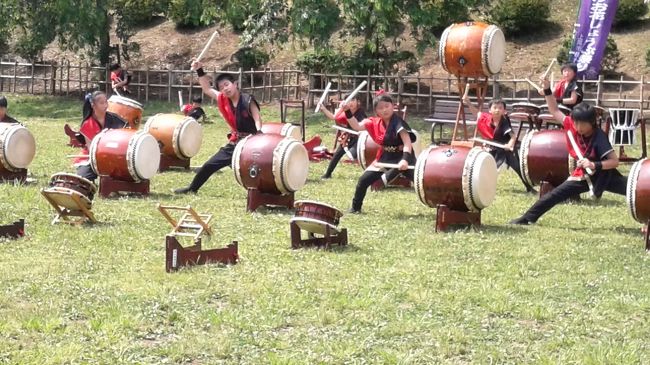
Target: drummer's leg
<point x="513" y="162"/>
<point x="86" y="172"/>
<point x="338" y="154"/>
<point x="368" y="177"/>
<point x="561" y="193"/>
<point x="220" y="160"/>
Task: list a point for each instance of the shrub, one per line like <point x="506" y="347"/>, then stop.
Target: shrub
<point x="249" y="57"/>
<point x="192" y="13"/>
<point x="515" y="16"/>
<point x="324" y="60"/>
<point x="629" y="11"/>
<point x="236" y="13"/>
<point x="611" y="58"/>
<point x="140" y="11"/>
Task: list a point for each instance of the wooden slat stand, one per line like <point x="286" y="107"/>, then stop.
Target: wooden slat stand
<point x="18" y="176"/>
<point x="192" y="225"/>
<point x="332" y="236"/>
<point x="169" y="162"/>
<point x="446" y="217"/>
<point x="256" y="198"/>
<point x="108" y="186"/>
<point x="14" y="230"/>
<point x="79" y="214"/>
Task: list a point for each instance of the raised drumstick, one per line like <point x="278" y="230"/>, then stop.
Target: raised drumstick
<point x="391" y="165"/>
<point x="490" y="143"/>
<point x="346" y="130"/>
<point x="466" y="91"/>
<point x="351" y="96"/>
<point x="207" y="45"/>
<point x="180" y="100"/>
<point x="322" y="98"/>
<point x="548" y="69"/>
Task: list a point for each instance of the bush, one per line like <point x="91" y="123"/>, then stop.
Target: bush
<point x="611" y="58"/>
<point x="629" y="11"/>
<point x="515" y="16"/>
<point x="192" y="13"/>
<point x="140" y="11"/>
<point x="236" y="13"/>
<point x="324" y="60"/>
<point x="250" y="58"/>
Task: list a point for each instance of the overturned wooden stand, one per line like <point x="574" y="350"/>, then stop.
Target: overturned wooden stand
<point x="177" y="256"/>
<point x="20" y="175"/>
<point x="169" y="162"/>
<point x="76" y="207"/>
<point x="256" y="198"/>
<point x="331" y="237"/>
<point x="14" y="230"/>
<point x="108" y="186"/>
<point x="446" y="217"/>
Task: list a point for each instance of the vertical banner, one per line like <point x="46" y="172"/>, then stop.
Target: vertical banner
<point x="590" y="36"/>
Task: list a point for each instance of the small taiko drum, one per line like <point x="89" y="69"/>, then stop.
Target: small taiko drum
<point x="462" y="178"/>
<point x="283" y="129"/>
<point x="270" y="163"/>
<point x="546" y="116"/>
<point x="314" y="216"/>
<point x="64" y="186"/>
<point x="528" y="109"/>
<point x="638" y="191"/>
<point x="544" y="156"/>
<point x="128" y="109"/>
<point x="125" y="154"/>
<point x="178" y="136"/>
<point x="17" y="147"/>
<point x="472" y="49"/>
<point x="367" y="148"/>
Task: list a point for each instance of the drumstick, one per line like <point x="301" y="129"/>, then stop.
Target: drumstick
<point x="180" y="100"/>
<point x="351" y="96"/>
<point x="490" y="143"/>
<point x="576" y="149"/>
<point x="548" y="69"/>
<point x="347" y="130"/>
<point x="391" y="165"/>
<point x="533" y="84"/>
<point x="322" y="98"/>
<point x="207" y="45"/>
<point x="466" y="91"/>
<point x="77" y="156"/>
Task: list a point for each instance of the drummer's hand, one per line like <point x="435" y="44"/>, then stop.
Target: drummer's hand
<point x="509" y="147"/>
<point x="196" y="65"/>
<point x="586" y="164"/>
<point x="466" y="100"/>
<point x="403" y="165"/>
<point x="344" y="106"/>
<point x="546" y="84"/>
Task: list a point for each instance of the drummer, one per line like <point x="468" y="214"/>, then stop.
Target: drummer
<point x="599" y="156"/>
<point x="194" y="110"/>
<point x="95" y="119"/>
<point x="567" y="92"/>
<point x="394" y="136"/>
<point x="120" y="79"/>
<point x="4" y="117"/>
<point x="240" y="111"/>
<point x="348" y="142"/>
<point x="495" y="126"/>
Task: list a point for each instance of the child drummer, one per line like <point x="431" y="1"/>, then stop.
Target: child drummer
<point x="495" y="126"/>
<point x="4" y="117"/>
<point x="599" y="157"/>
<point x="394" y="136"/>
<point x="348" y="142"/>
<point x="194" y="110"/>
<point x="567" y="92"/>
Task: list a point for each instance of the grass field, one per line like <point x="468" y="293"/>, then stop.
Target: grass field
<point x="573" y="288"/>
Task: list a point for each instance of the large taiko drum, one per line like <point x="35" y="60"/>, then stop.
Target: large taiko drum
<point x="125" y="154"/>
<point x="462" y="178"/>
<point x="17" y="147"/>
<point x="367" y="148"/>
<point x="314" y="216"/>
<point x="472" y="49"/>
<point x="270" y="163"/>
<point x="128" y="109"/>
<point x="64" y="186"/>
<point x="179" y="136"/>
<point x="283" y="129"/>
<point x="544" y="156"/>
<point x="638" y="191"/>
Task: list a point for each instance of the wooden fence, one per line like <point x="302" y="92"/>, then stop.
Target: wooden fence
<point x="416" y="91"/>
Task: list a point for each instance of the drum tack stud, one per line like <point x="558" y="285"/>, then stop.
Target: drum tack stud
<point x="253" y="171"/>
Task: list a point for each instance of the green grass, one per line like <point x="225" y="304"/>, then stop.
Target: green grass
<point x="572" y="289"/>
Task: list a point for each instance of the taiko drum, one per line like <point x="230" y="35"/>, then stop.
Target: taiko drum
<point x="472" y="49"/>
<point x="638" y="191"/>
<point x="179" y="136"/>
<point x="544" y="156"/>
<point x="17" y="147"/>
<point x="367" y="148"/>
<point x="314" y="216"/>
<point x="128" y="109"/>
<point x="63" y="186"/>
<point x="283" y="129"/>
<point x="125" y="154"/>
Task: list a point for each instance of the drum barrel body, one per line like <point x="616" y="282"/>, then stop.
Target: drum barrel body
<point x="544" y="156"/>
<point x="179" y="136"/>
<point x="270" y="163"/>
<point x="321" y="212"/>
<point x="462" y="178"/>
<point x="125" y="154"/>
<point x="73" y="182"/>
<point x="366" y="150"/>
<point x="17" y="147"/>
<point x="283" y="129"/>
<point x="128" y="109"/>
<point x="472" y="49"/>
<point x="638" y="191"/>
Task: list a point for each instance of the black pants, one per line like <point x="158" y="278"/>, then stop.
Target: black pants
<point x="512" y="160"/>
<point x="370" y="177"/>
<point x="86" y="172"/>
<point x="220" y="160"/>
<point x="338" y="154"/>
<point x="617" y="184"/>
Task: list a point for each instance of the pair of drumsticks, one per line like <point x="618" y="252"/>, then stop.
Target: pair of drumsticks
<point x="545" y="75"/>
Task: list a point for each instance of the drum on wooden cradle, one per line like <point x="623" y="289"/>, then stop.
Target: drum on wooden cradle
<point x="462" y="178"/>
<point x="638" y="191"/>
<point x="283" y="129"/>
<point x="128" y="109"/>
<point x="529" y="109"/>
<point x="367" y="148"/>
<point x="271" y="163"/>
<point x="544" y="156"/>
<point x="125" y="154"/>
<point x="314" y="216"/>
<point x="17" y="147"/>
<point x="63" y="186"/>
<point x="179" y="136"/>
<point x="546" y="116"/>
<point x="472" y="49"/>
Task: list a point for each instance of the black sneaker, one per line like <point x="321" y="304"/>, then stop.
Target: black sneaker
<point x="185" y="190"/>
<point x="354" y="211"/>
<point x="532" y="191"/>
<point x="326" y="176"/>
<point x="521" y="221"/>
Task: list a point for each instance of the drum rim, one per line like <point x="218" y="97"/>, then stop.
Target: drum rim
<point x="468" y="186"/>
<point x="361" y="149"/>
<point x="443" y="46"/>
<point x="418" y="178"/>
<point x="312" y="220"/>
<point x="523" y="156"/>
<point x="92" y="185"/>
<point x="93" y="150"/>
<point x="317" y="203"/>
<point x="236" y="158"/>
<point x="132" y="150"/>
<point x="128" y="101"/>
<point x="488" y="36"/>
<point x="178" y="132"/>
<point x="281" y="178"/>
<point x="630" y="191"/>
<point x="10" y="130"/>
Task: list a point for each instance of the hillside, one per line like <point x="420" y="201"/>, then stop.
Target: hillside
<point x="162" y="46"/>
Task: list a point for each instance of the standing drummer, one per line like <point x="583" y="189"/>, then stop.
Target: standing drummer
<point x="348" y="142"/>
<point x="599" y="156"/>
<point x="495" y="126"/>
<point x="240" y="111"/>
<point x="4" y="117"/>
<point x="96" y="118"/>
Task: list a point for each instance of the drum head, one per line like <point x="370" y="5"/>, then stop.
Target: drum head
<point x="19" y="147"/>
<point x="65" y="197"/>
<point x="496" y="49"/>
<point x="313" y="225"/>
<point x="479" y="179"/>
<point x="290" y="130"/>
<point x="76" y="179"/>
<point x="290" y="165"/>
<point x="630" y="193"/>
<point x="190" y="138"/>
<point x="124" y="101"/>
<point x="146" y="156"/>
<point x="298" y="203"/>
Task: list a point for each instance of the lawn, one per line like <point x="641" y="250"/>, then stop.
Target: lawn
<point x="573" y="288"/>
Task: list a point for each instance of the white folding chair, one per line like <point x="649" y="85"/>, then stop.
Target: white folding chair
<point x="623" y="126"/>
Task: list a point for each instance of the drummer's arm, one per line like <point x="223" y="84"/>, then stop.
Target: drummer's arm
<point x="204" y="81"/>
<point x="510" y="146"/>
<point x="551" y="102"/>
<point x="257" y="117"/>
<point x="572" y="99"/>
<point x="472" y="108"/>
<point x="408" y="148"/>
<point x="356" y="125"/>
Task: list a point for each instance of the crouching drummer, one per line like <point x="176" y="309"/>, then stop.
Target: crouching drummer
<point x="4" y="117"/>
<point x="95" y="119"/>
